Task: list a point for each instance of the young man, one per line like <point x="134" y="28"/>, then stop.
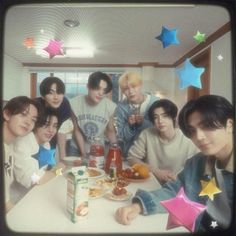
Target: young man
<point x="52" y="91"/>
<point x="131" y="113"/>
<point x="20" y="115"/>
<point x="159" y="146"/>
<point x="32" y="153"/>
<point x="208" y="121"/>
<point x="94" y="113"/>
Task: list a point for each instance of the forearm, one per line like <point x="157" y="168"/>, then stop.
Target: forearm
<point x="61" y="142"/>
<point x="80" y="141"/>
<point x="110" y="131"/>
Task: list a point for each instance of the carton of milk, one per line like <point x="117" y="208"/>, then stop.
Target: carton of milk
<point x="77" y="193"/>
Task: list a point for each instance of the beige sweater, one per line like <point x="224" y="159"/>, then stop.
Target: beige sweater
<point x="167" y="156"/>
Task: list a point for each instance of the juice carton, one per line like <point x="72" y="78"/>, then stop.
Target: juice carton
<point x="77" y="193"/>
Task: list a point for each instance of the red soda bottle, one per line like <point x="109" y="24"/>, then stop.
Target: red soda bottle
<point x="113" y="158"/>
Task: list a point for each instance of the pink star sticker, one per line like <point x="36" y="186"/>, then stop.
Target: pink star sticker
<point x="182" y="211"/>
<point x="54" y="48"/>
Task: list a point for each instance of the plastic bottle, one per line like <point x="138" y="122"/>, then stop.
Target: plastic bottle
<point x="113" y="159"/>
<point x="96" y="155"/>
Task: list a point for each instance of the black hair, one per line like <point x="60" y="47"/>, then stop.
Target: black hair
<point x="215" y="111"/>
<point x="19" y="104"/>
<point x="95" y="78"/>
<point x="45" y="86"/>
<point x="46" y="113"/>
<point x="168" y="106"/>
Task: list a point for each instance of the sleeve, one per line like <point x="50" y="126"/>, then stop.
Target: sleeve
<point x="138" y="149"/>
<point x="125" y="131"/>
<point x="66" y="127"/>
<point x="25" y="166"/>
<point x="150" y="200"/>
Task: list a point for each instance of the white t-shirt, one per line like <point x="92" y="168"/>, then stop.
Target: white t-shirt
<point x="168" y="156"/>
<point x="26" y="168"/>
<point x="8" y="170"/>
<point x="91" y="119"/>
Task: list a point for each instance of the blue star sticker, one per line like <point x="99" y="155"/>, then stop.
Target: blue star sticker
<point x="190" y="75"/>
<point x="168" y="37"/>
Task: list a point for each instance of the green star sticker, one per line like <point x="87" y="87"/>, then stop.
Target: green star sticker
<point x="199" y="37"/>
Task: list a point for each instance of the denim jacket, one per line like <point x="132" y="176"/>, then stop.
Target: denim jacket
<point x="189" y="178"/>
<point x="126" y="133"/>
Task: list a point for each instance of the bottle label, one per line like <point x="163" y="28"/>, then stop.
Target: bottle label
<point x="96" y="161"/>
<point x="112" y="173"/>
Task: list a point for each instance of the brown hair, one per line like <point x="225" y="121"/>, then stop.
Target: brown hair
<point x="19" y="104"/>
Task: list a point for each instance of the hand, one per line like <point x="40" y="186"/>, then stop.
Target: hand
<point x="164" y="175"/>
<point x="139" y="119"/>
<point x="131" y="120"/>
<point x="125" y="215"/>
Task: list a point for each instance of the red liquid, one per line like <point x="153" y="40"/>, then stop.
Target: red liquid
<point x="114" y="152"/>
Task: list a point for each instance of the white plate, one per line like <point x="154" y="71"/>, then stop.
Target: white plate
<point x="100" y="173"/>
<point x="96" y="192"/>
<point x="123" y="197"/>
<point x="72" y="160"/>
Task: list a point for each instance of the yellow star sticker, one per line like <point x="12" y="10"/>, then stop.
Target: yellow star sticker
<point x="209" y="188"/>
<point x="58" y="171"/>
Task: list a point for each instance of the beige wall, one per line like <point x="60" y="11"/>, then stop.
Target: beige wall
<point x="15" y="79"/>
<point x="221" y="71"/>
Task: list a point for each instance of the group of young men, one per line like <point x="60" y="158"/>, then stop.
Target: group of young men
<point x="147" y="131"/>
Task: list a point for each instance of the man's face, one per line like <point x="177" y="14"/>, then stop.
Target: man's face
<point x="96" y="95"/>
<point x="132" y="92"/>
<point x="53" y="98"/>
<point x="46" y="132"/>
<point x="162" y="122"/>
<point x="210" y="141"/>
<point x="22" y="123"/>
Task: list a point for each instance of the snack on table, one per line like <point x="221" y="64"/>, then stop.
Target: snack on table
<point x="93" y="172"/>
<point x="137" y="171"/>
<point x="119" y="191"/>
<point x="95" y="191"/>
<point x="105" y="183"/>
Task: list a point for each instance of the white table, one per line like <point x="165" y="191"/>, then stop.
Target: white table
<point x="43" y="209"/>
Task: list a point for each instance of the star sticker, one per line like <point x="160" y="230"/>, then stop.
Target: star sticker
<point x="58" y="171"/>
<point x="214" y="224"/>
<point x="209" y="188"/>
<point x="220" y="57"/>
<point x="54" y="48"/>
<point x="182" y="211"/>
<point x="199" y="37"/>
<point x="168" y="37"/>
<point x="29" y="43"/>
<point x="190" y="75"/>
<point x="35" y="178"/>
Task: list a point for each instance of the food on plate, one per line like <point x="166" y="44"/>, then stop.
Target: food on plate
<point x="105" y="183"/>
<point x="122" y="181"/>
<point x="118" y="191"/>
<point x="137" y="171"/>
<point x="93" y="172"/>
<point x="95" y="192"/>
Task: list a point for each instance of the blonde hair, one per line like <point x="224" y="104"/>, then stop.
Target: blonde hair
<point x="132" y="77"/>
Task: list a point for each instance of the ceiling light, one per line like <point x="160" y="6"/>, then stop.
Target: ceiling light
<point x="71" y="23"/>
<point x="79" y="52"/>
<point x="70" y="53"/>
